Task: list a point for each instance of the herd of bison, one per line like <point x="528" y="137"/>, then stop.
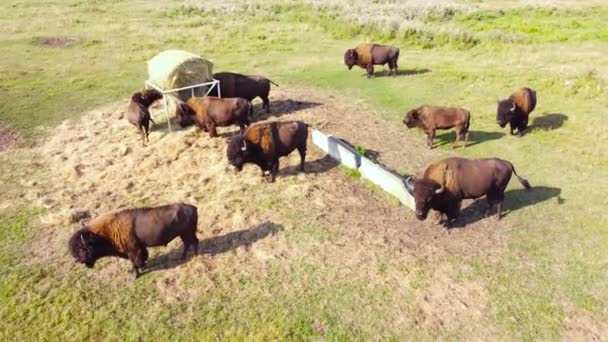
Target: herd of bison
<point x="442" y="187"/>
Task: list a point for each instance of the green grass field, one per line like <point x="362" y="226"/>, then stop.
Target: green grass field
<point x="547" y="279"/>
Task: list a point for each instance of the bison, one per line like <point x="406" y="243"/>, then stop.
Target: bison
<point x="262" y="144"/>
<point x="246" y="86"/>
<point x="367" y="55"/>
<point x="446" y="183"/>
<point x="430" y="118"/>
<point x="211" y="112"/>
<point x="127" y="233"/>
<point x="516" y="109"/>
<point x="138" y="113"/>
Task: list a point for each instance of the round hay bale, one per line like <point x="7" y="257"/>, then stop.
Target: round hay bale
<point x="173" y="69"/>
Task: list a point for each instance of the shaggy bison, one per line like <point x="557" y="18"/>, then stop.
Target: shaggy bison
<point x="446" y="183"/>
<point x="516" y="109"/>
<point x="127" y="233"/>
<point x="246" y="86"/>
<point x="367" y="55"/>
<point x="262" y="144"/>
<point x="211" y="112"/>
<point x="138" y="113"/>
<point x="430" y="118"/>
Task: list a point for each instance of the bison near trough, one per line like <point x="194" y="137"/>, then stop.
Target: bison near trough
<point x="446" y="183"/>
<point x="138" y="113"/>
<point x="431" y="118"/>
<point x="262" y="144"/>
<point x="127" y="233"/>
<point x="208" y="113"/>
<point x="367" y="55"/>
<point x="516" y="109"/>
<point x="246" y="86"/>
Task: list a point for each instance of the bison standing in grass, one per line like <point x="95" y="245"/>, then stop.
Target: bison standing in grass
<point x="262" y="144"/>
<point x="431" y="118"/>
<point x="446" y="183"/>
<point x="367" y="55"/>
<point x="138" y="113"/>
<point x="246" y="86"/>
<point x="127" y="233"/>
<point x="516" y="109"/>
<point x="210" y="112"/>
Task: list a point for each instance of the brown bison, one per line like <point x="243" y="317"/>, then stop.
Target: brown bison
<point x="246" y="86"/>
<point x="430" y="118"/>
<point x="211" y="112"/>
<point x="367" y="55"/>
<point x="262" y="144"/>
<point x="127" y="233"/>
<point x="446" y="183"/>
<point x="138" y="113"/>
<point x="516" y="109"/>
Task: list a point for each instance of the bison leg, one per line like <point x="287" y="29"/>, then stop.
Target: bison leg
<point x="274" y="170"/>
<point x="370" y="70"/>
<point x="266" y="104"/>
<point x="430" y="137"/>
<point x="466" y="139"/>
<point x="189" y="240"/>
<point x="499" y="211"/>
<point x="302" y="151"/>
<point x="138" y="258"/>
<point x="212" y="130"/>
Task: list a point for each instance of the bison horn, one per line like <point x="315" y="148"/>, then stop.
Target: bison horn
<point x="513" y="109"/>
<point x="244" y="148"/>
<point x="409" y="183"/>
<point x="440" y="190"/>
<point x="82" y="238"/>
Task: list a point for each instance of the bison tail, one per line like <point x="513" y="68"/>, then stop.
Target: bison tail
<point x="273" y="83"/>
<point x="521" y="180"/>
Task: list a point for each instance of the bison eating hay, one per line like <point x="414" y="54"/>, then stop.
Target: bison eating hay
<point x="127" y="233"/>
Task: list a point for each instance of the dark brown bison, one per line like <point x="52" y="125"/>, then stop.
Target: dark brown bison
<point x="446" y="183"/>
<point x="262" y="144"/>
<point x="430" y="118"/>
<point x="246" y="86"/>
<point x="127" y="233"/>
<point x="138" y="113"/>
<point x="211" y="112"/>
<point x="367" y="55"/>
<point x="516" y="109"/>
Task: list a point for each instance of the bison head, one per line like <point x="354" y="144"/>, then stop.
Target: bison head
<point x="350" y="58"/>
<point x="424" y="191"/>
<point x="87" y="247"/>
<point x="237" y="152"/>
<point x="505" y="112"/>
<point x="183" y="115"/>
<point x="411" y="118"/>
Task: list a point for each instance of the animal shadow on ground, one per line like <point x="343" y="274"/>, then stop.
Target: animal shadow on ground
<point x="216" y="245"/>
<point x="475" y="137"/>
<point x="514" y="200"/>
<point x="548" y="122"/>
<point x="279" y="108"/>
<point x="403" y="72"/>
<point x="320" y="165"/>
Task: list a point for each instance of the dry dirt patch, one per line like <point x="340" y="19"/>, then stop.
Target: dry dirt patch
<point x="56" y="42"/>
<point x="8" y="137"/>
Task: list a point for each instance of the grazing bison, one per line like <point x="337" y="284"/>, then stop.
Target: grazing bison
<point x="367" y="55"/>
<point x="430" y="118"/>
<point x="262" y="144"/>
<point x="138" y="113"/>
<point x="211" y="112"/>
<point x="127" y="233"/>
<point x="246" y="86"/>
<point x="516" y="109"/>
<point x="446" y="183"/>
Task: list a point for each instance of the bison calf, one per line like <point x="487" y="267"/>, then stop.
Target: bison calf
<point x="431" y="118"/>
<point x="246" y="86"/>
<point x="262" y="144"/>
<point x="138" y="113"/>
<point x="446" y="183"/>
<point x="516" y="109"/>
<point x="127" y="233"/>
<point x="211" y="112"/>
<point x="368" y="55"/>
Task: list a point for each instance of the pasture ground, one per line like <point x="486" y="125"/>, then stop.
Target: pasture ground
<point x="321" y="254"/>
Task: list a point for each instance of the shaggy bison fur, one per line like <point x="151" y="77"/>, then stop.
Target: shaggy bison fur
<point x="516" y="109"/>
<point x="246" y="86"/>
<point x="138" y="113"/>
<point x="431" y="118"/>
<point x="367" y="55"/>
<point x="262" y="144"/>
<point x="211" y="112"/>
<point x="127" y="233"/>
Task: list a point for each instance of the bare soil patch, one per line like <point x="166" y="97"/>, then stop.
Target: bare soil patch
<point x="8" y="137"/>
<point x="56" y="42"/>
